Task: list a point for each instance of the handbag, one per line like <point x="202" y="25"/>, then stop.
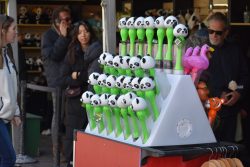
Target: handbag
<point x="73" y="91"/>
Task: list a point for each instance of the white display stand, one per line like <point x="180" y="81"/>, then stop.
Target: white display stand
<point x="182" y="119"/>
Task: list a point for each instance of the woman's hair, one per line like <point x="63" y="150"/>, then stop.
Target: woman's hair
<point x="5" y="23"/>
<point x="75" y="42"/>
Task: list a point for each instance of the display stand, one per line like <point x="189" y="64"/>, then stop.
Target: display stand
<point x="182" y="119"/>
<point x="96" y="151"/>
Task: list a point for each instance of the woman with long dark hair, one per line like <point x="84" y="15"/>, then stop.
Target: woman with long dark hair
<point x="9" y="110"/>
<point x="80" y="61"/>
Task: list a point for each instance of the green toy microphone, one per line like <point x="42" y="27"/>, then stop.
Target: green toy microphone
<point x="124" y="35"/>
<point x="132" y="35"/>
<point x="159" y="24"/>
<point x="139" y="25"/>
<point x="149" y="26"/>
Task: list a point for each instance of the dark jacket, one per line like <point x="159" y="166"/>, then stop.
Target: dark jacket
<point x="227" y="64"/>
<point x="85" y="63"/>
<point x="54" y="49"/>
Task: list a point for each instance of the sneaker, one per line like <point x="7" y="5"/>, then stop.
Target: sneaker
<point x="46" y="132"/>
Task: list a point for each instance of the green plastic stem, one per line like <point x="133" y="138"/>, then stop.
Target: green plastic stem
<point x="160" y="36"/>
<point x="90" y="112"/>
<point x="97" y="89"/>
<point x="170" y="37"/>
<point x="140" y="35"/>
<point x="127" y="131"/>
<point x="132" y="37"/>
<point x="100" y="122"/>
<point x="178" y="63"/>
<point x="132" y="115"/>
<point x="108" y="117"/>
<point x="124" y="37"/>
<point x="118" y="126"/>
<point x="150" y="95"/>
<point x="142" y="118"/>
<point x="150" y="37"/>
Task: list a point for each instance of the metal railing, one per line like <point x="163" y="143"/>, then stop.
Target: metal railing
<point x="57" y="94"/>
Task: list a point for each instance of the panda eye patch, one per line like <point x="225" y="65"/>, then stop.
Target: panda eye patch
<point x="137" y="64"/>
<point x="148" y="84"/>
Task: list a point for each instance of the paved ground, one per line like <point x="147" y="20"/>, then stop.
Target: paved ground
<point x="45" y="158"/>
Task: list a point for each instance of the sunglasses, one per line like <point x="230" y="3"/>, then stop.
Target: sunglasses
<point x="216" y="32"/>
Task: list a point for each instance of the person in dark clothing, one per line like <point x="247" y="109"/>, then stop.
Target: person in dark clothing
<point x="80" y="61"/>
<point x="227" y="65"/>
<point x="54" y="46"/>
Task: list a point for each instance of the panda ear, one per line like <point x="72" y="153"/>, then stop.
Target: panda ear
<point x="151" y="78"/>
<point x="95" y="77"/>
<point x="139" y="80"/>
<point x="116" y="97"/>
<point x="128" y="60"/>
<point x="114" y="77"/>
<point x="139" y="56"/>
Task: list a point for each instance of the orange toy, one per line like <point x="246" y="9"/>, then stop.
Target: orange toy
<point x="214" y="105"/>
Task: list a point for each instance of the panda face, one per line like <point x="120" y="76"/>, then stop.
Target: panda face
<point x="116" y="61"/>
<point x="124" y="63"/>
<point x="147" y="83"/>
<point x="30" y="61"/>
<point x="128" y="97"/>
<point x="170" y="21"/>
<point x="147" y="62"/>
<point x="127" y="82"/>
<point x="136" y="84"/>
<point x="159" y="22"/>
<point x="130" y="22"/>
<point x="119" y="81"/>
<point x="134" y="62"/>
<point x="101" y="59"/>
<point x="104" y="99"/>
<point x="120" y="102"/>
<point x="102" y="80"/>
<point x="139" y="22"/>
<point x="109" y="59"/>
<point x="180" y="30"/>
<point x="86" y="96"/>
<point x="138" y="103"/>
<point x="149" y="22"/>
<point x="95" y="100"/>
<point x="93" y="78"/>
<point x="111" y="81"/>
<point x="112" y="100"/>
<point x="122" y="23"/>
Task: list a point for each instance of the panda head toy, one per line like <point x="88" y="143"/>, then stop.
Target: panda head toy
<point x="109" y="59"/>
<point x="119" y="81"/>
<point x="116" y="61"/>
<point x="93" y="78"/>
<point x="111" y="81"/>
<point x="102" y="79"/>
<point x="170" y="22"/>
<point x="112" y="100"/>
<point x="149" y="22"/>
<point x="136" y="83"/>
<point x="122" y="23"/>
<point x="104" y="99"/>
<point x="147" y="62"/>
<point x="138" y="103"/>
<point x="134" y="62"/>
<point x="127" y="82"/>
<point x="86" y="96"/>
<point x="120" y="102"/>
<point x="102" y="57"/>
<point x="124" y="63"/>
<point x="95" y="100"/>
<point x="128" y="98"/>
<point x="159" y="22"/>
<point x="180" y="30"/>
<point x="130" y="22"/>
<point x="147" y="83"/>
<point x="139" y="22"/>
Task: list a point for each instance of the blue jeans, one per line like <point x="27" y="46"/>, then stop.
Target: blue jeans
<point x="7" y="152"/>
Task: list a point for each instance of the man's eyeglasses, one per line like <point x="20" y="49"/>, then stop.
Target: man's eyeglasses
<point x="210" y="31"/>
<point x="67" y="19"/>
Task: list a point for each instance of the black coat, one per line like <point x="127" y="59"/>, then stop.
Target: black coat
<point x="227" y="64"/>
<point x="85" y="63"/>
<point x="54" y="49"/>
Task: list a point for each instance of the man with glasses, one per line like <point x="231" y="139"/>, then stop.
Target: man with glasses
<point x="227" y="67"/>
<point x="54" y="47"/>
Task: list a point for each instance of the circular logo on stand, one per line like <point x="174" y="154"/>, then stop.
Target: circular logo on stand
<point x="184" y="128"/>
